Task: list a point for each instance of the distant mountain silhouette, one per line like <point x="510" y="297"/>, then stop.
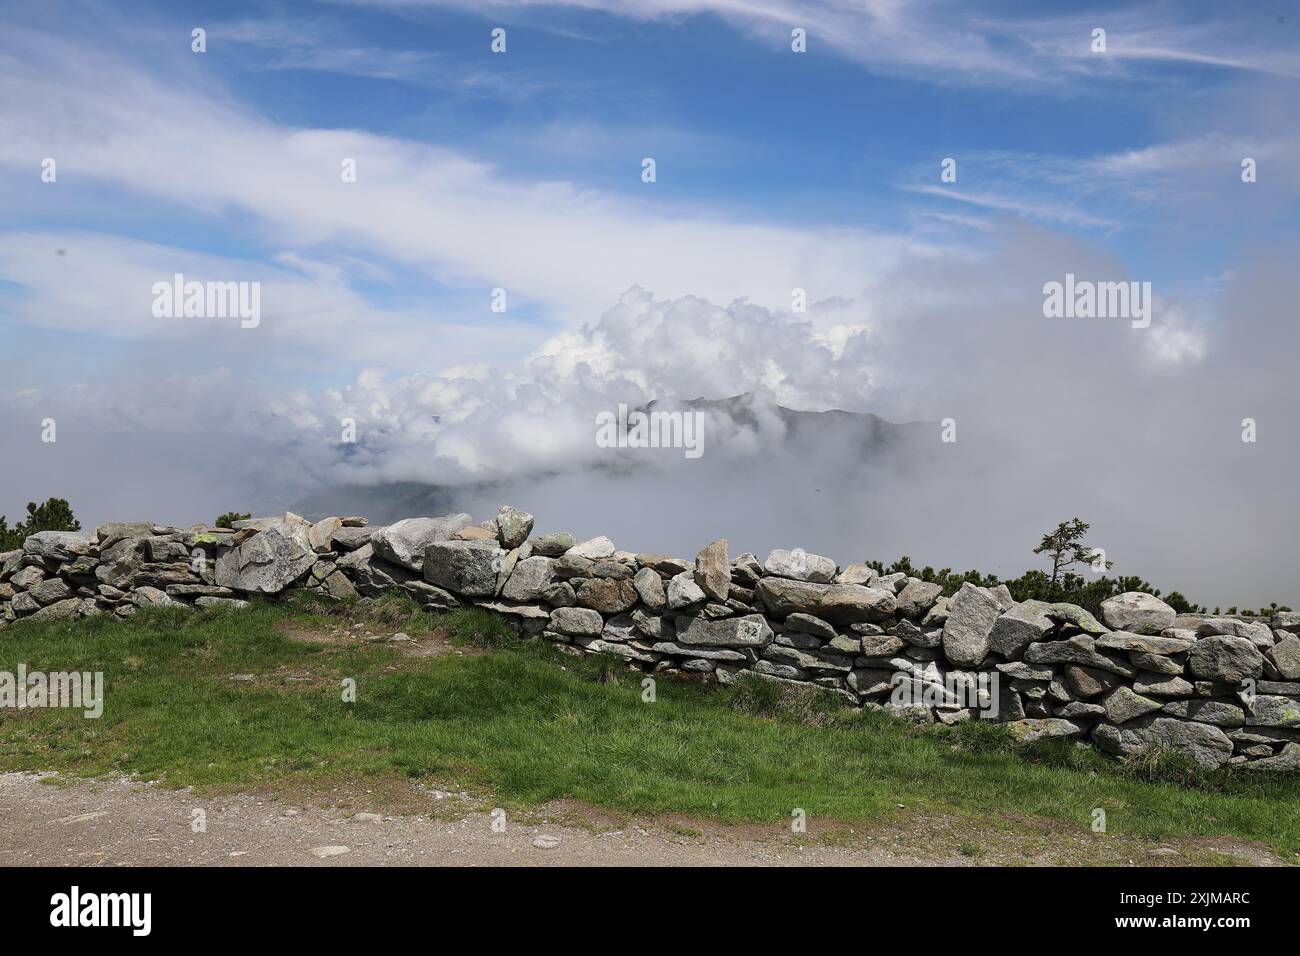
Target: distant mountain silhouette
<point x="855" y="434"/>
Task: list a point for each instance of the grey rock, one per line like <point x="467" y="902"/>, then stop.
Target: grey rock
<point x="1125" y="641"/>
<point x="713" y="571"/>
<point x="606" y="596"/>
<point x="870" y="681"/>
<point x="577" y="621"/>
<point x="799" y="565"/>
<point x="49" y="591"/>
<point x="58" y="545"/>
<point x="1016" y="629"/>
<point x="1257" y="632"/>
<point x="560" y="594"/>
<point x="971" y="617"/>
<point x="1272" y="711"/>
<point x="683" y="592"/>
<point x="1077" y="710"/>
<point x="321" y="534"/>
<point x="211" y="600"/>
<point x="64" y="610"/>
<point x="1218" y="712"/>
<point x="529" y="580"/>
<point x="1075" y="616"/>
<point x="513" y="527"/>
<point x="881" y="645"/>
<point x="350" y="539"/>
<point x="1228" y="659"/>
<point x="937" y="616"/>
<point x="857" y="574"/>
<point x="593" y="549"/>
<point x="783" y="596"/>
<point x="700" y="653"/>
<point x="1123" y="705"/>
<point x="266" y="563"/>
<point x="917" y="636"/>
<point x="1162" y="685"/>
<point x="1287" y="760"/>
<point x="552" y="545"/>
<point x="468" y="568"/>
<point x="1206" y="744"/>
<point x="853" y="603"/>
<point x="1085" y="683"/>
<point x="1155" y="662"/>
<point x="1019" y="670"/>
<point x="1046" y="728"/>
<point x="750" y="631"/>
<point x="1080" y="650"/>
<point x="650" y="589"/>
<point x="917" y="598"/>
<point x="807" y="624"/>
<point x="406" y="542"/>
<point x="1138" y="613"/>
<point x="1285" y="656"/>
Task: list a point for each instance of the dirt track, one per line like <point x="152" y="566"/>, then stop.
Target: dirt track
<point x="116" y="823"/>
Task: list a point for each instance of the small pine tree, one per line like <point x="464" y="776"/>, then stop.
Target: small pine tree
<point x="1066" y="548"/>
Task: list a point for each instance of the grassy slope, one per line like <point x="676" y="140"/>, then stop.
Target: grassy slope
<point x="530" y="725"/>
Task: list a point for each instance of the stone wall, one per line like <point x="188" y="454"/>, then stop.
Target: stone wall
<point x="1221" y="690"/>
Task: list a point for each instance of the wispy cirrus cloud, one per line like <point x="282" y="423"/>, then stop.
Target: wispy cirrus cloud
<point x="948" y="41"/>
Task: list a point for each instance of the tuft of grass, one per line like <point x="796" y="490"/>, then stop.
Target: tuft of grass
<point x="224" y="699"/>
<point x="809" y="706"/>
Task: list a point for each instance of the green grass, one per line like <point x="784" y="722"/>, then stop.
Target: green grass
<point x="527" y="724"/>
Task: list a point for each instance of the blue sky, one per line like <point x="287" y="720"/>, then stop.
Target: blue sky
<point x="775" y="170"/>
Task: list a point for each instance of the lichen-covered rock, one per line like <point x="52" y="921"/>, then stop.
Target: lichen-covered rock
<point x="513" y="527"/>
<point x="1269" y="710"/>
<point x="1137" y="612"/>
<point x="1045" y="728"/>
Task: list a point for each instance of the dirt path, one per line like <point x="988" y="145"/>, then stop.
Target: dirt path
<point x="117" y="823"/>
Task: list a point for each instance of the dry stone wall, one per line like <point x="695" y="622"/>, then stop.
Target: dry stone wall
<point x="1220" y="690"/>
